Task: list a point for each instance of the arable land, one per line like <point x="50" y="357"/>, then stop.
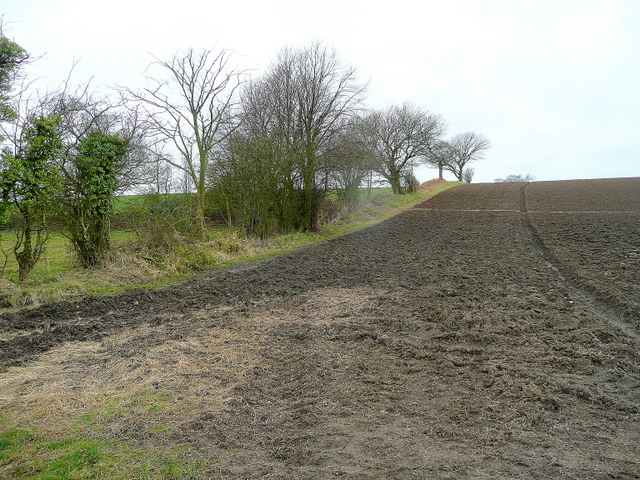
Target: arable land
<point x="492" y="331"/>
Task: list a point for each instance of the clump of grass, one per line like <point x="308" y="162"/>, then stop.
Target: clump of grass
<point x="37" y="292"/>
<point x="231" y="244"/>
<point x="194" y="258"/>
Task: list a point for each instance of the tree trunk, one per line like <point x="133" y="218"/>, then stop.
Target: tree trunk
<point x="394" y="180"/>
<point x="307" y="206"/>
<point x="25" y="257"/>
<point x="309" y="171"/>
<point x="200" y="220"/>
<point x="201" y="194"/>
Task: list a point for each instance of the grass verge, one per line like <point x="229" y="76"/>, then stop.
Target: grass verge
<point x="56" y="277"/>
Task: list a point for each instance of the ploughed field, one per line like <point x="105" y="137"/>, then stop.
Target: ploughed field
<point x="490" y="332"/>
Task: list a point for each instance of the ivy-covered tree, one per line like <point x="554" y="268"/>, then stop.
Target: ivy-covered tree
<point x="88" y="204"/>
<point x="30" y="180"/>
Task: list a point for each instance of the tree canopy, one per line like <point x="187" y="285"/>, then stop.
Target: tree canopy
<point x="191" y="109"/>
<point x="291" y="117"/>
<point x="401" y="136"/>
<point x="463" y="149"/>
<point x="12" y="58"/>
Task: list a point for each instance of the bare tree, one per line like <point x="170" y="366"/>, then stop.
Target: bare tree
<point x="325" y="92"/>
<point x="139" y="167"/>
<point x="84" y="112"/>
<point x="438" y="156"/>
<point x="401" y="136"/>
<point x="300" y="104"/>
<point x="192" y="111"/>
<point x="158" y="175"/>
<point x="349" y="162"/>
<point x="463" y="149"/>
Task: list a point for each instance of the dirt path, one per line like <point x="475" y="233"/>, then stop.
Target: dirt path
<point x="478" y="335"/>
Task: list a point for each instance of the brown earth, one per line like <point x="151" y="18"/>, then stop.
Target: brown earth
<point x="490" y="332"/>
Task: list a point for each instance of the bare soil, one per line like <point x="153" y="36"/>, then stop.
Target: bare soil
<point x="490" y="332"/>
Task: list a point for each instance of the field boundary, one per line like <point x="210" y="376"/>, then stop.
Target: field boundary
<point x="527" y="212"/>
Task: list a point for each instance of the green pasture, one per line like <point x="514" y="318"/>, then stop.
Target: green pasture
<point x="58" y="258"/>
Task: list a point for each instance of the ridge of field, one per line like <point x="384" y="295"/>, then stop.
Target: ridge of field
<point x="444" y="342"/>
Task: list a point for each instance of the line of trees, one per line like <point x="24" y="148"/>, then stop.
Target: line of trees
<point x="516" y="178"/>
<point x="268" y="153"/>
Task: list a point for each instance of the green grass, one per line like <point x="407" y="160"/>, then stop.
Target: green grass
<point x="53" y="277"/>
<point x="31" y="455"/>
<point x="55" y="260"/>
<point x="86" y="451"/>
<point x="58" y="258"/>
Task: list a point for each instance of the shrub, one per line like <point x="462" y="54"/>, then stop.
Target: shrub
<point x="195" y="258"/>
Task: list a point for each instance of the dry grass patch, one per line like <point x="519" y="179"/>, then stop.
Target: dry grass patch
<point x="172" y="385"/>
<point x="181" y="368"/>
<point x="151" y="375"/>
<point x="324" y="306"/>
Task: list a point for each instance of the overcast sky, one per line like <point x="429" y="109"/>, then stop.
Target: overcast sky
<point x="553" y="84"/>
